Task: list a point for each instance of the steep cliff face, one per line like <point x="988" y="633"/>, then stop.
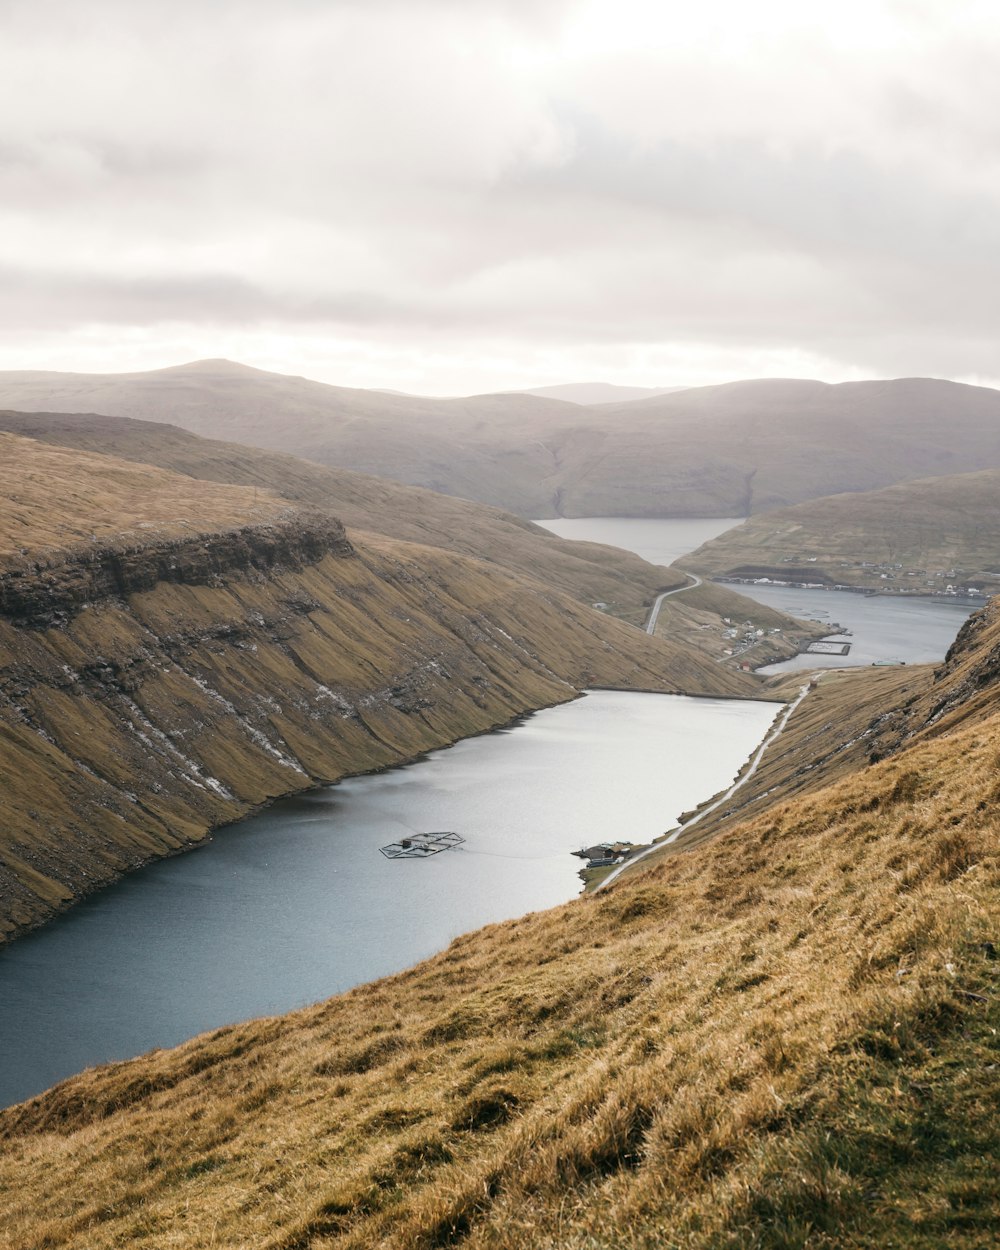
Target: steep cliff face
<point x="963" y="690"/>
<point x="50" y="591"/>
<point x="150" y="692"/>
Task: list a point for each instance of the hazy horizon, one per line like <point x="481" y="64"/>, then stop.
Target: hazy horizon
<point x="564" y="385"/>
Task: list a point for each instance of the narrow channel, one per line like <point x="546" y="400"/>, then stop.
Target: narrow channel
<point x="297" y="903"/>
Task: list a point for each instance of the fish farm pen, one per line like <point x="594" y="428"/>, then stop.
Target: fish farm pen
<point x="420" y="845"/>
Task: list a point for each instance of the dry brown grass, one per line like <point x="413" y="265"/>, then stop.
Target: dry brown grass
<point x="589" y="571"/>
<point x="830" y="735"/>
<point x="783" y="1039"/>
<point x="52" y="498"/>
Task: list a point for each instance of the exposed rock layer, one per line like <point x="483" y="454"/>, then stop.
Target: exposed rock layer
<point x="48" y="591"/>
<point x="149" y="694"/>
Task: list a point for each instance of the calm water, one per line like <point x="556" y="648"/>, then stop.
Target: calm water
<point x="297" y="903"/>
<point x="658" y="541"/>
<point x="916" y="631"/>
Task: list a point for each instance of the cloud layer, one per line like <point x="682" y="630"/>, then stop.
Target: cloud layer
<point x="447" y="195"/>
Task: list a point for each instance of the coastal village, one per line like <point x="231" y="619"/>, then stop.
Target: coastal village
<point x="869" y="577"/>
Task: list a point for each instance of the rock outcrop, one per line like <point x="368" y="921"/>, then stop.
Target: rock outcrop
<point x="48" y="591"/>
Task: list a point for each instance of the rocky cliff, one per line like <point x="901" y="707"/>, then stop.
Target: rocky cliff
<point x="49" y="591"/>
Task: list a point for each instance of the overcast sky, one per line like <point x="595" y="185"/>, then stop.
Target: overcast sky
<point x="449" y="196"/>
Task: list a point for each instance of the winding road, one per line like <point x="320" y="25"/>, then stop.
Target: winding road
<point x="654" y="611"/>
<point x="775" y="731"/>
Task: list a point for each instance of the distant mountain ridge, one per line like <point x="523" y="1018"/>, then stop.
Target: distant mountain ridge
<point x="735" y="449"/>
<point x="587" y="393"/>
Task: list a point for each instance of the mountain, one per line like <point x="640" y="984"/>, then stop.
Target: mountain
<point x="593" y="573"/>
<point x="599" y="392"/>
<point x="175" y="652"/>
<point x="918" y="536"/>
<point x="731" y="450"/>
<point x="749" y="447"/>
<point x="784" y="1037"/>
<point x="589" y="571"/>
<point x="442" y="444"/>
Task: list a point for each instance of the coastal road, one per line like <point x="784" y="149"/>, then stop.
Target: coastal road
<point x="654" y="611"/>
<point x="772" y="736"/>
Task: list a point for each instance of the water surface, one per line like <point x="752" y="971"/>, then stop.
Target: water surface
<point x="297" y="903"/>
<point x="917" y="630"/>
<point x="658" y="540"/>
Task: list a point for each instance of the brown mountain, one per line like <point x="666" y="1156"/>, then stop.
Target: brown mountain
<point x="722" y="450"/>
<point x="444" y="444"/>
<point x="591" y="572"/>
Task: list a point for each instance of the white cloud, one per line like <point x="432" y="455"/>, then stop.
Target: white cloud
<point x="720" y="184"/>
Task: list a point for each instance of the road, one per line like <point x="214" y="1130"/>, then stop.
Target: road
<point x="772" y="736"/>
<point x="654" y="611"/>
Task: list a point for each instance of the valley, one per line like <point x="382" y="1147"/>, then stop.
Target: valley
<point x="499" y="626"/>
<point x="189" y="632"/>
<point x="747" y="1020"/>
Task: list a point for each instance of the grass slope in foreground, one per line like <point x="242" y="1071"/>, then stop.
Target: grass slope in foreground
<point x="786" y="1038"/>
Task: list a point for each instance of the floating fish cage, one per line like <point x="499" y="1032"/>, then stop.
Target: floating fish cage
<point x="420" y="845"/>
<point x="822" y="647"/>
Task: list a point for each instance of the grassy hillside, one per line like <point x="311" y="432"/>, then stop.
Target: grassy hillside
<point x="156" y="682"/>
<point x="786" y="1038"/>
<point x="833" y="733"/>
<point x="52" y="499"/>
<point x="708" y="451"/>
<point x="916" y="537"/>
<point x="963" y="689"/>
<point x="591" y="572"/>
<point x="854" y="717"/>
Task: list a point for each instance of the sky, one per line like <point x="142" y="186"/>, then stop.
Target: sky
<point x="456" y="196"/>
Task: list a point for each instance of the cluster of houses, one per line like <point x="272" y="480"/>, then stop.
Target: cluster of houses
<point x="743" y="637"/>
